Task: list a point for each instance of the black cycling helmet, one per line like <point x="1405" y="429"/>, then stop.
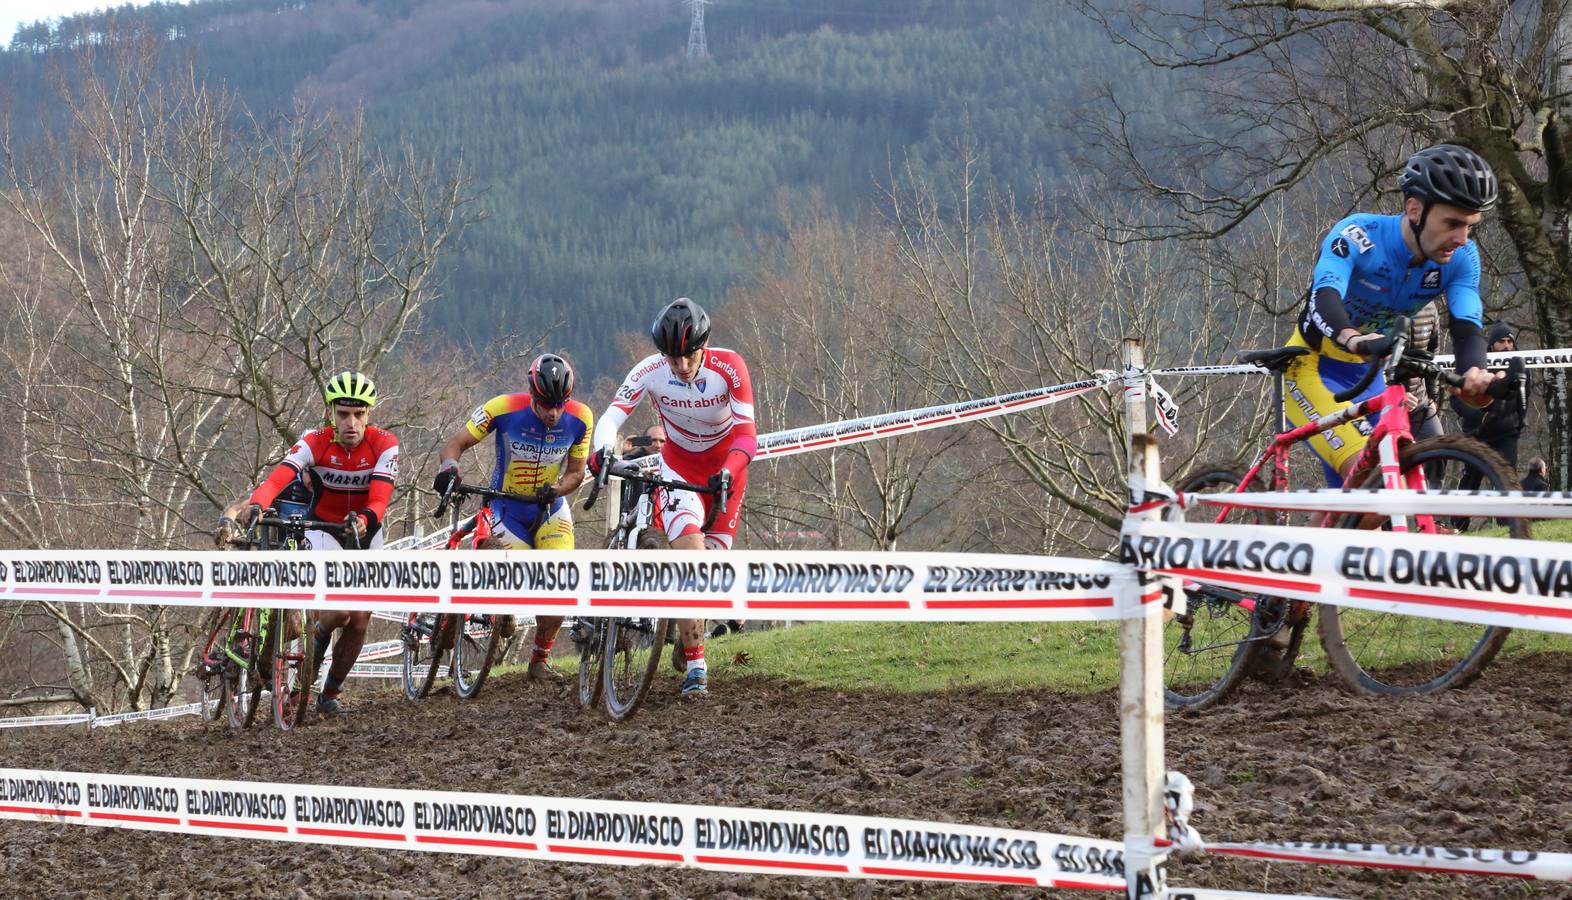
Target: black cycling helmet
<point x="550" y="379"/>
<point x="1448" y="173"/>
<point x="681" y="328"/>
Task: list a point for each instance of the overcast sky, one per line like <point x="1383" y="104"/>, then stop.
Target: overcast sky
<point x="14" y="13"/>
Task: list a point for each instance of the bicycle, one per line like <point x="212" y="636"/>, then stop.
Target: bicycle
<point x="618" y="656"/>
<point x="251" y="646"/>
<point x="476" y="639"/>
<point x="1225" y="635"/>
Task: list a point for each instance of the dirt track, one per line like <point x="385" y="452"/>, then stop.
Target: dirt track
<point x="1485" y="767"/>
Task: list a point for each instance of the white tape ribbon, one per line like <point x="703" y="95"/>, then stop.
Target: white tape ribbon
<point x="1510" y="504"/>
<point x="1489" y="581"/>
<point x="862" y="586"/>
<point x="1533" y="359"/>
<point x="568" y="830"/>
<point x="1528" y="864"/>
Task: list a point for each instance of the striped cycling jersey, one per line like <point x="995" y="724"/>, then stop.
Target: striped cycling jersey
<point x="705" y="419"/>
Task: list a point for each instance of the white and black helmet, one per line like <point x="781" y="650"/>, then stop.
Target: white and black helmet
<point x="1448" y="173"/>
<point x="681" y="328"/>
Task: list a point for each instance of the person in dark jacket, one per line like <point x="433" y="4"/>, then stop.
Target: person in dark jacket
<point x="1537" y="478"/>
<point x="1500" y="424"/>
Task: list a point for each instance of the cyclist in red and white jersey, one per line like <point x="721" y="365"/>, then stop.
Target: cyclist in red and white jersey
<point x="351" y="466"/>
<point x="705" y="403"/>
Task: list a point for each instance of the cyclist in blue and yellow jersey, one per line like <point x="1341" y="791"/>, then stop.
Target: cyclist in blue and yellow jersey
<point x="1374" y="268"/>
<point x="543" y="440"/>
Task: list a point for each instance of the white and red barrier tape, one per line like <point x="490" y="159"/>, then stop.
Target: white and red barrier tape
<point x="568" y="830"/>
<point x="848" y="586"/>
<point x="1526" y="864"/>
<point x="1515" y="504"/>
<point x="839" y="434"/>
<point x="1489" y="581"/>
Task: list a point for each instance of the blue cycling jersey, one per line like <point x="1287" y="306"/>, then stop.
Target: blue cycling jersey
<point x="1365" y="260"/>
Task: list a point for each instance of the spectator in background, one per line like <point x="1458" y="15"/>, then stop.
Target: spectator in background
<point x="1538" y="477"/>
<point x="1500" y="424"/>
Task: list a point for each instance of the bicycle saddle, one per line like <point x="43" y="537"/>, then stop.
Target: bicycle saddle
<point x="1275" y="359"/>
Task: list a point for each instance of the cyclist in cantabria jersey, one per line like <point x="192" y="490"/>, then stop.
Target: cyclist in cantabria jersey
<point x="705" y="403"/>
<point x="542" y="443"/>
<point x="1374" y="268"/>
<point x="350" y="466"/>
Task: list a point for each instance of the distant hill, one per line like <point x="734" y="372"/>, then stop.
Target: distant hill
<point x="616" y="172"/>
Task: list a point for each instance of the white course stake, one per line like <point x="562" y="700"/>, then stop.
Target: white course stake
<point x="1141" y="666"/>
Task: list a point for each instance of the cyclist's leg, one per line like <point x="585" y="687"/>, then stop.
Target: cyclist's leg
<point x="555" y="533"/>
<point x="351" y="626"/>
<point x="681" y="515"/>
<point x="1308" y="388"/>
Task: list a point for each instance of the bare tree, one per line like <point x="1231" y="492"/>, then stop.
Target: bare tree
<point x="196" y="275"/>
<point x="828" y="334"/>
<point x="1293" y="89"/>
<point x="1015" y="298"/>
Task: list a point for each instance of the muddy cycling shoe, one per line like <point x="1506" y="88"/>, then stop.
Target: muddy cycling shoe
<point x="696" y="685"/>
<point x="332" y="708"/>
<point x="506" y="625"/>
<point x="542" y="672"/>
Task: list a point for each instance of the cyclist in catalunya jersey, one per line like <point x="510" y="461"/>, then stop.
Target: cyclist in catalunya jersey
<point x="1375" y="268"/>
<point x="542" y="443"/>
<point x="351" y="466"/>
<point x="705" y="403"/>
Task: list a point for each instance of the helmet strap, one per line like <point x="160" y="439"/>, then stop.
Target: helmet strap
<point x="1419" y="227"/>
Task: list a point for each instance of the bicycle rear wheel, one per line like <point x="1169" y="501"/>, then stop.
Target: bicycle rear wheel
<point x="423" y="651"/>
<point x="589" y="639"/>
<point x="292" y="670"/>
<point x="1391" y="654"/>
<point x="1208" y="650"/>
<point x="632" y="654"/>
<point x="473" y="654"/>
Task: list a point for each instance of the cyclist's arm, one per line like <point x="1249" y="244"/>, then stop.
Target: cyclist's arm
<point x="297" y="461"/>
<point x="623" y="403"/>
<point x="1466" y="311"/>
<point x="573" y="464"/>
<point x="1334" y="268"/>
<point x="744" y="433"/>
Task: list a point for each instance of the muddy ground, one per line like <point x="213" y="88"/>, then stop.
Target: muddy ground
<point x="1485" y="767"/>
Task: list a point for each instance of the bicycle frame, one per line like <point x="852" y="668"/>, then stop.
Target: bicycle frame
<point x="1391" y="433"/>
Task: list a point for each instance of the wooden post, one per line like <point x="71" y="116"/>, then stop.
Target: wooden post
<point x="1141" y="666"/>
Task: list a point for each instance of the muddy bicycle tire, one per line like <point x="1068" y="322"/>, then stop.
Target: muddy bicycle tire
<point x="210" y="668"/>
<point x="243" y="682"/>
<point x="1228" y="632"/>
<point x="293" y="672"/>
<point x="473" y="657"/>
<point x="633" y="649"/>
<point x="1364" y="647"/>
<point x="421" y="657"/>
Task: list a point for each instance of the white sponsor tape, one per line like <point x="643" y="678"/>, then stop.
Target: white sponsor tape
<point x="911" y="421"/>
<point x="568" y="830"/>
<point x="148" y="715"/>
<point x="1183" y="893"/>
<point x="1533" y="359"/>
<point x="1527" y="864"/>
<point x="33" y="721"/>
<point x="1489" y="581"/>
<point x="863" y="586"/>
<point x="1240" y="369"/>
<point x="385" y="670"/>
<point x="1516" y="504"/>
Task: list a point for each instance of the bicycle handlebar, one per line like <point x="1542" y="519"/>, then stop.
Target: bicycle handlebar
<point x="629" y="472"/>
<point x="1395" y="336"/>
<point x="462" y="490"/>
<point x="270" y="517"/>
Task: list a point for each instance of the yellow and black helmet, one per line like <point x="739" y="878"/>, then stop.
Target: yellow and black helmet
<point x="350" y="389"/>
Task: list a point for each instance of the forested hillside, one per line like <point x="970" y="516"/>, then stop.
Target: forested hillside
<point x="617" y="173"/>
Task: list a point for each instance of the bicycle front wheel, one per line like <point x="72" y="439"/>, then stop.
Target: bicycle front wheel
<point x="589" y="638"/>
<point x="210" y="667"/>
<point x="1391" y="654"/>
<point x="243" y="686"/>
<point x="1208" y="650"/>
<point x="473" y="654"/>
<point x="292" y="669"/>
<point x="633" y="651"/>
